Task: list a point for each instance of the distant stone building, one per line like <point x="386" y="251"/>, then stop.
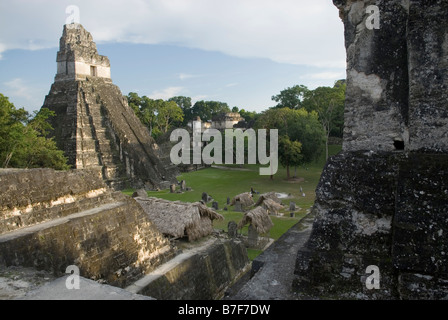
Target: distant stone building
<point x="204" y="125"/>
<point x="220" y="122"/>
<point x="94" y="125"/>
<point x="226" y="121"/>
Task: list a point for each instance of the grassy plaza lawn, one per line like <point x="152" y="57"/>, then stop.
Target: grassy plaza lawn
<point x="225" y="181"/>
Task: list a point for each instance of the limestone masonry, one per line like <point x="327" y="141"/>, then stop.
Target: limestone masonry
<point x="383" y="201"/>
<point x="53" y="219"/>
<point x="78" y="221"/>
<point x="94" y="124"/>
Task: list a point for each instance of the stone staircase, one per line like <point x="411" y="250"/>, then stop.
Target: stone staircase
<point x="50" y="220"/>
<point x="98" y="144"/>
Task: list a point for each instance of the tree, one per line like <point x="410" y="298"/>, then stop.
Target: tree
<point x="158" y="115"/>
<point x="250" y="117"/>
<point x="148" y="112"/>
<point x="305" y="127"/>
<point x="298" y="125"/>
<point x="168" y="114"/>
<point x="289" y="153"/>
<point x="207" y="109"/>
<point x="291" y="97"/>
<point x="329" y="104"/>
<point x="185" y="104"/>
<point x="134" y="101"/>
<point x="23" y="141"/>
<point x="39" y="121"/>
<point x="274" y="118"/>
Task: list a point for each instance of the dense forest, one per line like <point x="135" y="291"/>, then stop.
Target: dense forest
<point x="305" y="119"/>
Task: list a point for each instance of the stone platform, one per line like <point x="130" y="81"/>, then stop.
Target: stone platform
<point x="53" y="219"/>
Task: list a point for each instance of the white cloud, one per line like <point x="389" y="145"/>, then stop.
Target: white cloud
<point x="23" y="93"/>
<point x="229" y="85"/>
<point x="18" y="88"/>
<point x="166" y="93"/>
<point x="291" y="31"/>
<point x="185" y="76"/>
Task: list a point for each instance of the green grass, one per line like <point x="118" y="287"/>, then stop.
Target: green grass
<point x="220" y="184"/>
<point x="253" y="253"/>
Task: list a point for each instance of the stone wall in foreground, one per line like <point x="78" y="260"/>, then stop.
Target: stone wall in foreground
<point x="53" y="219"/>
<point x="397" y="76"/>
<point x="388" y="210"/>
<point x="383" y="201"/>
<point x="204" y="276"/>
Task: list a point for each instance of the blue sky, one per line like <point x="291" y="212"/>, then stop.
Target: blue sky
<point x="236" y="51"/>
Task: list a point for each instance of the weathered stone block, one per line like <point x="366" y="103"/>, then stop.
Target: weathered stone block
<point x="107" y="235"/>
<point x="204" y="276"/>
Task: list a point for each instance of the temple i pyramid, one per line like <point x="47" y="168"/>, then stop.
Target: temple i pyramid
<point x="94" y="125"/>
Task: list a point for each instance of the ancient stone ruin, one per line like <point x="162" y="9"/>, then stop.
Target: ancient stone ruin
<point x="80" y="222"/>
<point x="94" y="124"/>
<point x="383" y="201"/>
<point x="50" y="220"/>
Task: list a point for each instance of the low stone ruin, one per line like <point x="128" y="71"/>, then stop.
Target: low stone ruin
<point x="51" y="219"/>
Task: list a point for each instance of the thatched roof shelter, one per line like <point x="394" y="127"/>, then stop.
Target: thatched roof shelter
<point x="268" y="195"/>
<point x="245" y="199"/>
<point x="178" y="219"/>
<point x="259" y="219"/>
<point x="271" y="206"/>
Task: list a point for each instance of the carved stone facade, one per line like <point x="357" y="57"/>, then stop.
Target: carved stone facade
<point x="78" y="57"/>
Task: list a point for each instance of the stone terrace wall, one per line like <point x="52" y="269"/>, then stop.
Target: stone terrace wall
<point x="204" y="276"/>
<point x="32" y="196"/>
<point x="53" y="219"/>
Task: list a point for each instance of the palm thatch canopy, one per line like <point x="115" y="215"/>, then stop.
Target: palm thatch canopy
<point x="271" y="206"/>
<point x="269" y="195"/>
<point x="178" y="219"/>
<point x="259" y="219"/>
<point x="245" y="199"/>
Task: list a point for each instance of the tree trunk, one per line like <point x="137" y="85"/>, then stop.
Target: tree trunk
<point x="8" y="158"/>
<point x="295" y="172"/>
<point x="287" y="172"/>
